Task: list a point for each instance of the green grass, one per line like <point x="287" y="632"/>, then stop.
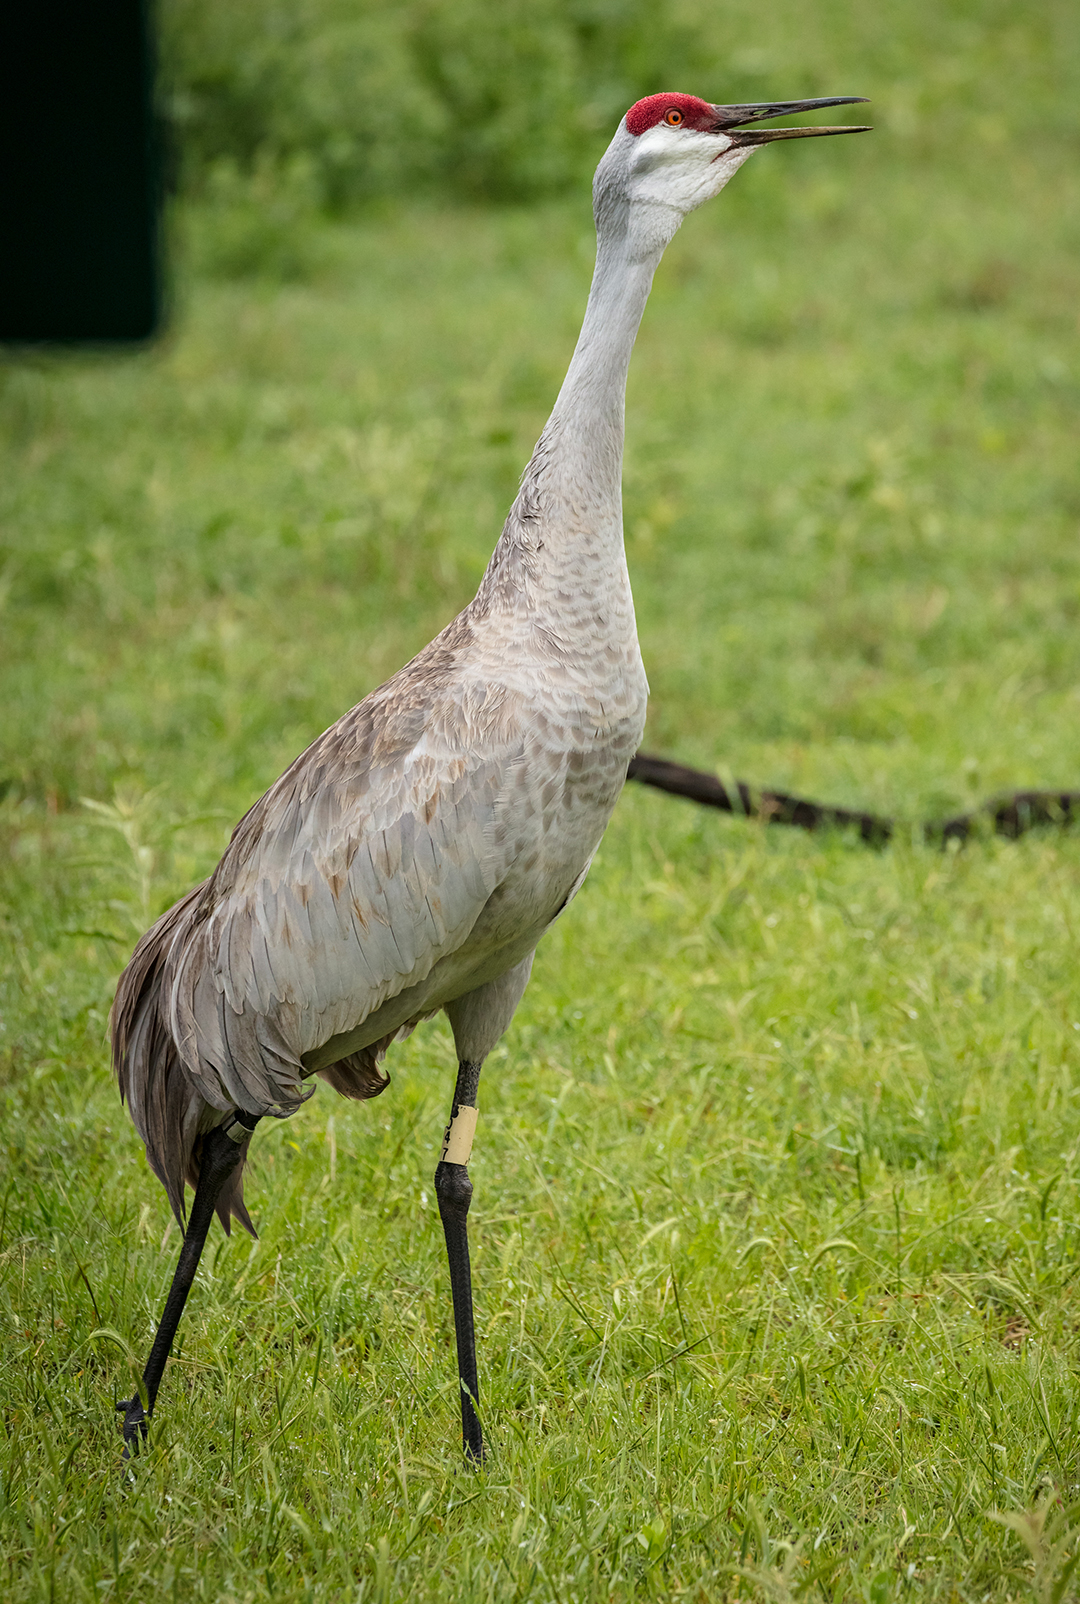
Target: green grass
<point x="778" y="1176"/>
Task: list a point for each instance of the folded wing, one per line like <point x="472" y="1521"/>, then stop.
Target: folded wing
<point x="369" y="860"/>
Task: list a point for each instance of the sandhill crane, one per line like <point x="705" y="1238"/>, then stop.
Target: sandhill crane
<point x="412" y="857"/>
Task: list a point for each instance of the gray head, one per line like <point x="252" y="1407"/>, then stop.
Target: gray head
<point x="673" y="152"/>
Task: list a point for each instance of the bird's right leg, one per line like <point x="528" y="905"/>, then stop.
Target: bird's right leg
<point x="454" y="1192"/>
<point x="221" y="1154"/>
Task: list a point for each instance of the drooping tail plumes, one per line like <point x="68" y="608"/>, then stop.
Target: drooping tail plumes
<point x="168" y="1113"/>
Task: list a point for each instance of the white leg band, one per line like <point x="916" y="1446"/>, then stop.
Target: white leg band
<point x="458" y="1141"/>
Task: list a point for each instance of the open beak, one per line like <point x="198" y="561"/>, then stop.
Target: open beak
<point x="730" y="120"/>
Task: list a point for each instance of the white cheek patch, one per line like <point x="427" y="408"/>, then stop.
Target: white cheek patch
<point x="682" y="167"/>
<point x="458" y="1141"/>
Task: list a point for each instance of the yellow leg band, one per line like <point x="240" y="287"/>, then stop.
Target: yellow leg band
<point x="457" y="1143"/>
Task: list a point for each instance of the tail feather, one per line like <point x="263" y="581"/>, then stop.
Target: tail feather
<point x="230" y="1203"/>
<point x="166" y="1110"/>
<point x="358" y="1076"/>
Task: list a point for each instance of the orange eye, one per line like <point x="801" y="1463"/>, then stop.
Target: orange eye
<point x="674" y="117"/>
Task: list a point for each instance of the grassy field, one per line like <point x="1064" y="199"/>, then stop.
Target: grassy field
<point x="778" y="1177"/>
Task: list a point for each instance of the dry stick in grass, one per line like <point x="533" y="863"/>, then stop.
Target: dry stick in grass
<point x="1008" y="815"/>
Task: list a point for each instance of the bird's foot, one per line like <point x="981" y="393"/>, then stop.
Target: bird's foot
<point x="135" y="1424"/>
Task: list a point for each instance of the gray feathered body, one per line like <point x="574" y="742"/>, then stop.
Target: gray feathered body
<point x="409" y="859"/>
<point x="412" y="857"/>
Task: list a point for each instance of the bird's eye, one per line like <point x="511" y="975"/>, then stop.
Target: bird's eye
<point x="674" y="117"/>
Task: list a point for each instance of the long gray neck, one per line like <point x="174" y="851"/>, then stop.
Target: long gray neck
<point x="568" y="513"/>
<point x="587" y="421"/>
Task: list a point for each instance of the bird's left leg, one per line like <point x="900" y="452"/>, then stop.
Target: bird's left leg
<point x="221" y="1153"/>
<point x="454" y="1192"/>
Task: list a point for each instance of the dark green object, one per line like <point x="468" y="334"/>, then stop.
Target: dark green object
<point x="80" y="256"/>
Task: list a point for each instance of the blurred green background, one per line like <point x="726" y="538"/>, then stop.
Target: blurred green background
<point x="852" y="506"/>
<point x="851" y="471"/>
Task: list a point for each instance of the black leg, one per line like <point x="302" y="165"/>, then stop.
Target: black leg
<point x="454" y="1191"/>
<point x="220" y="1156"/>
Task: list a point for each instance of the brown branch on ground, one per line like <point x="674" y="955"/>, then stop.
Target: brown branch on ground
<point x="1008" y="815"/>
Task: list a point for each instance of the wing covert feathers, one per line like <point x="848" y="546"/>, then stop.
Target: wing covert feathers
<point x="370" y="859"/>
<point x="413" y="851"/>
